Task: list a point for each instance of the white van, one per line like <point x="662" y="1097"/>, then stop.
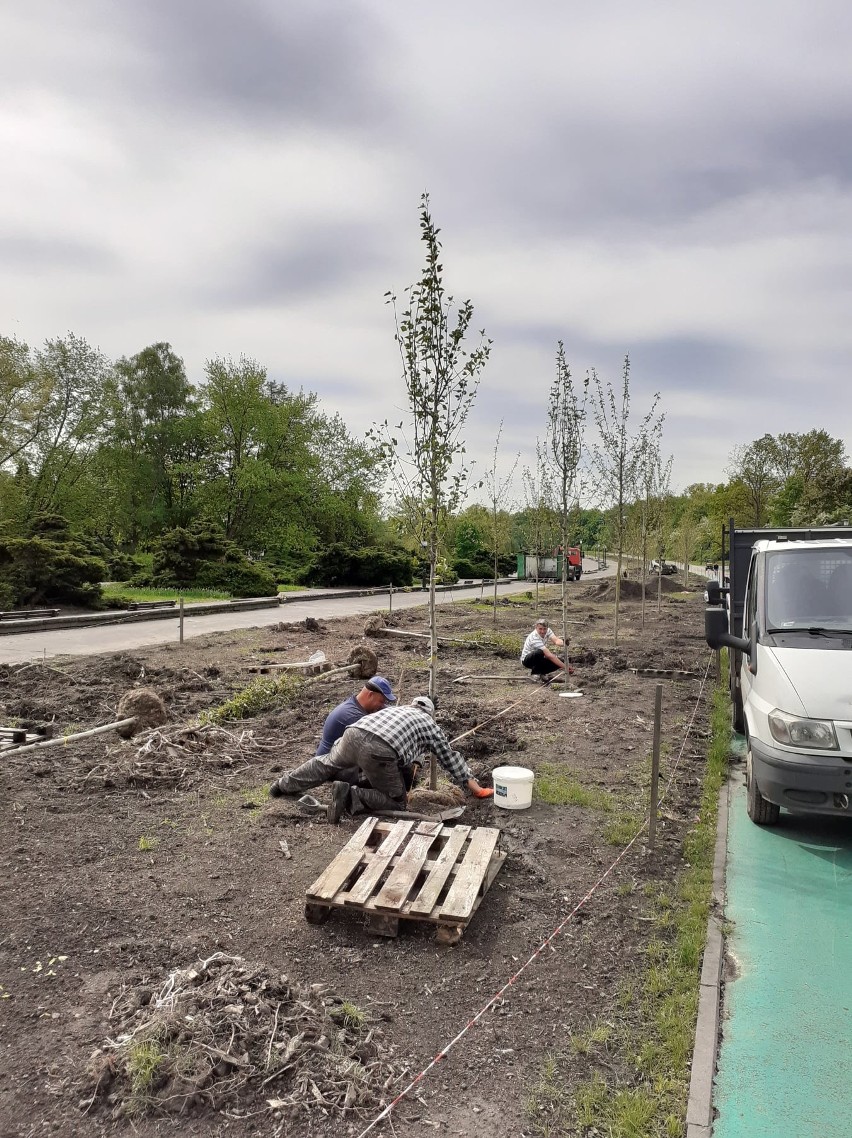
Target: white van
<point x="794" y="677"/>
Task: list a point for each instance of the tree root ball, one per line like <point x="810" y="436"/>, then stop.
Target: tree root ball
<point x="374" y="624"/>
<point x="422" y="800"/>
<point x="366" y="659"/>
<point x="145" y="706"/>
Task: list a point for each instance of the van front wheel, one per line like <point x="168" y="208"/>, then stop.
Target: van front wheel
<point x="761" y="811"/>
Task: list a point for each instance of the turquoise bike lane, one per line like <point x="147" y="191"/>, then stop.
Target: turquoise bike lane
<point x="783" y="1066"/>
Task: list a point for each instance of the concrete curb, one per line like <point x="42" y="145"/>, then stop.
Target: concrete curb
<point x="118" y="616"/>
<point x="699" y="1109"/>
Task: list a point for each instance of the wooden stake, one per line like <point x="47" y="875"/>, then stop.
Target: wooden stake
<point x="655" y="767"/>
<point x="181" y="621"/>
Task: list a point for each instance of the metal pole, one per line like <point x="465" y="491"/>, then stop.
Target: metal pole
<point x="655" y="767"/>
<point x="181" y="620"/>
<point x="718" y="666"/>
<point x="390" y="597"/>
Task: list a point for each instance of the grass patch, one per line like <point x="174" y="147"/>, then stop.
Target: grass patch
<point x="260" y="695"/>
<point x="255" y="795"/>
<point x="146" y="843"/>
<point x="502" y="643"/>
<point x="657" y="1051"/>
<point x="350" y="1015"/>
<point x="558" y="786"/>
<point x="143" y="1061"/>
<point x="131" y="593"/>
<point x="623" y="827"/>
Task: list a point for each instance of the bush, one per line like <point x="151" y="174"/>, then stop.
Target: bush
<point x="36" y="570"/>
<point x="473" y="569"/>
<point x="203" y="558"/>
<point x="339" y="565"/>
<point x="121" y="566"/>
<point x="239" y="578"/>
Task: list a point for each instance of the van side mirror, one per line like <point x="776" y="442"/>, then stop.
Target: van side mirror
<point x="716" y="631"/>
<point x="752" y="648"/>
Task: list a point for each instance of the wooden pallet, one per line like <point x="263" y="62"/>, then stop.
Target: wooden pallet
<point x="17" y="736"/>
<point x="409" y="870"/>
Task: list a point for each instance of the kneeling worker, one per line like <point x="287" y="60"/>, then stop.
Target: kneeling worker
<point x="384" y="748"/>
<point x="536" y="653"/>
<point x="373" y="696"/>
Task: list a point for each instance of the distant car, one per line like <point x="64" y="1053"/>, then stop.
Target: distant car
<point x="665" y="567"/>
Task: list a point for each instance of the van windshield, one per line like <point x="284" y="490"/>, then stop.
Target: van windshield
<point x="809" y="588"/>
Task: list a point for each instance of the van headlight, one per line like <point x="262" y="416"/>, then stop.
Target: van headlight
<point x="793" y="731"/>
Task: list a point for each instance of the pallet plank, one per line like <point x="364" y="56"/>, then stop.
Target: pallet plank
<point x="335" y="875"/>
<point x="404" y="874"/>
<point x="465" y="889"/>
<point x="428" y="896"/>
<point x="363" y="887"/>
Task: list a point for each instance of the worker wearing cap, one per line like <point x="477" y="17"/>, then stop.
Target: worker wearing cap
<point x="536" y="653"/>
<point x="385" y="748"/>
<point x="373" y="696"/>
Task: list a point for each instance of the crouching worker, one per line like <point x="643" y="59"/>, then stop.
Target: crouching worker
<point x="537" y="654"/>
<point x="373" y="696"/>
<point x="384" y="749"/>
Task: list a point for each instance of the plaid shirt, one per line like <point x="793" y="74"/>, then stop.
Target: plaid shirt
<point x="413" y="734"/>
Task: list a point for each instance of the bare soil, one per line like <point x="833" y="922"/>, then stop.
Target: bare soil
<point x="121" y="865"/>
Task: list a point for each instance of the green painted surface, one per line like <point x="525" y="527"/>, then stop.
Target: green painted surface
<point x="784" y="1060"/>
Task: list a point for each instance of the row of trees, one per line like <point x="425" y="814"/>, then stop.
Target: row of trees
<point x="129" y="450"/>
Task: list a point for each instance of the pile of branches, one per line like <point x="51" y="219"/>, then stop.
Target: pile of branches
<point x="171" y="757"/>
<point x="227" y="1033"/>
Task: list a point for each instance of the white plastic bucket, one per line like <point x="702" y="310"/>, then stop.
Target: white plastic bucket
<point x="512" y="787"/>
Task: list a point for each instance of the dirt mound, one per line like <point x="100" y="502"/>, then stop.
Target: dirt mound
<point x="224" y="1031"/>
<point x="631" y="589"/>
<point x="145" y="706"/>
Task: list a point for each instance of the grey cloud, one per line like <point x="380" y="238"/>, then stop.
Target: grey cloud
<point x="38" y="254"/>
<point x="294" y="62"/>
<point x="306" y="264"/>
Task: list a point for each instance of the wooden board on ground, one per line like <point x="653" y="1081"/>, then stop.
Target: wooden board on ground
<point x="405" y="870"/>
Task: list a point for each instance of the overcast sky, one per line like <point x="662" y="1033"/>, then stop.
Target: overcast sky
<point x="668" y="180"/>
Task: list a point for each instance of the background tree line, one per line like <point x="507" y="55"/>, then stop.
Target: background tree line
<point x="126" y="469"/>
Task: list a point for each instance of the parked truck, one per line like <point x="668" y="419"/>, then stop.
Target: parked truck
<point x="784" y="612"/>
<point x="533" y="566"/>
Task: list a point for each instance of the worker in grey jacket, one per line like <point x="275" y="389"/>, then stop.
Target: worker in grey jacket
<point x="383" y="750"/>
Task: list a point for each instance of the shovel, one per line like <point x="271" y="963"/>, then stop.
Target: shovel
<point x="310" y="805"/>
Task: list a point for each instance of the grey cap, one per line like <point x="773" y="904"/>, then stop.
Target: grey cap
<point x="425" y="704"/>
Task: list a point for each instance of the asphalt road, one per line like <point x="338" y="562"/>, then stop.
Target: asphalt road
<point x="27" y="646"/>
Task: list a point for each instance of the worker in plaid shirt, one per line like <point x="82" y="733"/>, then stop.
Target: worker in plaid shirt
<point x="387" y="747"/>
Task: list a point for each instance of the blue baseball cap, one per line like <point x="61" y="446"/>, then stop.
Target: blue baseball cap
<point x="382" y="686"/>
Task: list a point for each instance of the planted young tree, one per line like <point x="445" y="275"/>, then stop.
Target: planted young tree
<point x="655" y="476"/>
<point x="441" y="377"/>
<point x="497" y="489"/>
<point x="539" y="527"/>
<point x="618" y="456"/>
<point x="566" y="420"/>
